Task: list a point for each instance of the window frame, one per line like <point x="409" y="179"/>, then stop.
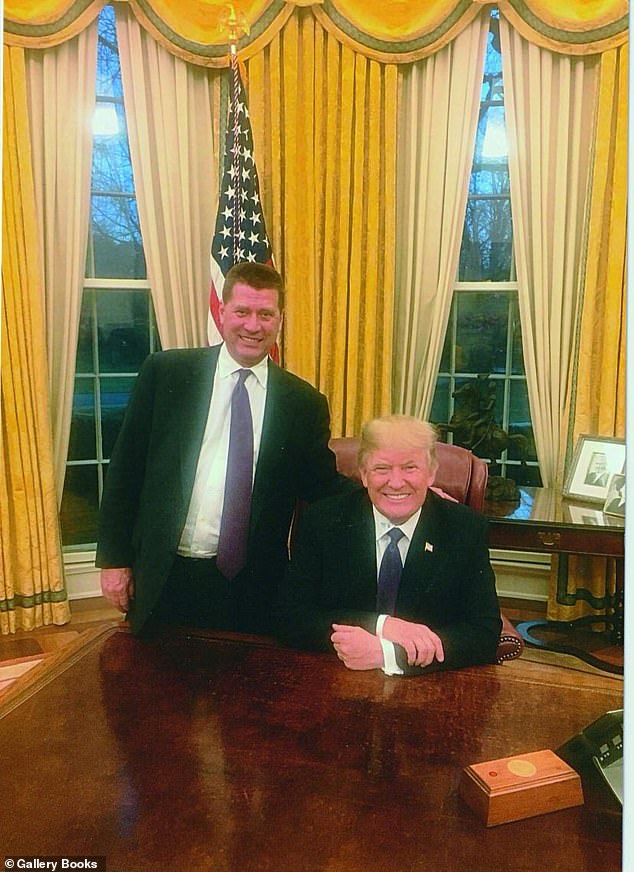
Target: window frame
<point x="96" y="375"/>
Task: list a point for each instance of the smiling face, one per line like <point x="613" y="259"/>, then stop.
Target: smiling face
<point x="397" y="480"/>
<point x="250" y="320"/>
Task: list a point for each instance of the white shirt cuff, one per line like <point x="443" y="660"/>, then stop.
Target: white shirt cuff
<point x="390" y="666"/>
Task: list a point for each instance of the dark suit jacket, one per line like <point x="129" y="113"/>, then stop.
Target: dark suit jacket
<point x="151" y="474"/>
<point x="332" y="578"/>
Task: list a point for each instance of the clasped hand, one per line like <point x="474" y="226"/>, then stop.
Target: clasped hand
<point x="357" y="648"/>
<point x="421" y="644"/>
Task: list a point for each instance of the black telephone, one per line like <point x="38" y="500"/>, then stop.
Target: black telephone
<point x="596" y="753"/>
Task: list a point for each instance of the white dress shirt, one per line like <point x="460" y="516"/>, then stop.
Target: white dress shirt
<point x="202" y="526"/>
<point x="381" y="527"/>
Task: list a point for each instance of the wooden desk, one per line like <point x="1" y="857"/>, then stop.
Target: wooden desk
<point x="189" y="754"/>
<point x="543" y="521"/>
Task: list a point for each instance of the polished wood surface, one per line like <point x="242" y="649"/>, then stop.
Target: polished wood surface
<point x="199" y="753"/>
<point x="542" y="520"/>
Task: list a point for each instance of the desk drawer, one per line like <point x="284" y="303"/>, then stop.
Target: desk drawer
<point x="554" y="540"/>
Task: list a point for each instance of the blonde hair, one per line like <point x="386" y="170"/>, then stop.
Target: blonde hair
<point x="398" y="431"/>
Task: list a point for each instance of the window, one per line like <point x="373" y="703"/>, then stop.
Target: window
<point x="482" y="358"/>
<point x="116" y="329"/>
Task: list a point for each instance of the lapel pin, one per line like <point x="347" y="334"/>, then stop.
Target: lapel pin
<point x="429" y="547"/>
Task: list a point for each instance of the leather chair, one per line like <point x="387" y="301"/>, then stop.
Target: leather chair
<point x="460" y="475"/>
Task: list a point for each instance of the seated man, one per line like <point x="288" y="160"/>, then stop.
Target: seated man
<point x="392" y="577"/>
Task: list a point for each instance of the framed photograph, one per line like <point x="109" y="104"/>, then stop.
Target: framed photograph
<point x="585" y="515"/>
<point x="595" y="461"/>
<point x="615" y="500"/>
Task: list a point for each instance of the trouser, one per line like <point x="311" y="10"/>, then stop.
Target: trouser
<point x="196" y="594"/>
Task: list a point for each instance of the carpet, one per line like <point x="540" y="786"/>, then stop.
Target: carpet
<point x="11" y="670"/>
<point x="23" y="660"/>
<point x="564" y="661"/>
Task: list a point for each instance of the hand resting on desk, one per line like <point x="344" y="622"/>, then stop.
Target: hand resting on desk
<point x="421" y="644"/>
<point x="360" y="649"/>
<point x="356" y="647"/>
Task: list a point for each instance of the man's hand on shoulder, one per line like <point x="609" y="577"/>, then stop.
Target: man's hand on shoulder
<point x="421" y="644"/>
<point x="117" y="586"/>
<point x="357" y="648"/>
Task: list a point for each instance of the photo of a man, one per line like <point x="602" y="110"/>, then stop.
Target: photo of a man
<point x="598" y="472"/>
<point x="615" y="501"/>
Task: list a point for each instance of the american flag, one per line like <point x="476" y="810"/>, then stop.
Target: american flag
<point x="240" y="233"/>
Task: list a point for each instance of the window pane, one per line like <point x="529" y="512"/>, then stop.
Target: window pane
<point x="486" y="251"/>
<point x="517" y="354"/>
<point x="487" y="246"/>
<point x="492" y="85"/>
<point x="83" y="430"/>
<point x="115" y="393"/>
<point x="481" y="332"/>
<point x="116" y="238"/>
<point x="520" y="420"/>
<point x="440" y="406"/>
<point x="445" y="359"/>
<point x="85" y="361"/>
<point x="79" y="508"/>
<point x="111" y="166"/>
<point x="108" y="67"/>
<point x="494" y="149"/>
<point x="124" y="337"/>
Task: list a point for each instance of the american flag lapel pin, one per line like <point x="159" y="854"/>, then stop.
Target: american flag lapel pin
<point x="429" y="547"/>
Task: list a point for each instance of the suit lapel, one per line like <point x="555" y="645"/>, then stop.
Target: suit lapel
<point x="419" y="572"/>
<point x="197" y="389"/>
<point x="355" y="543"/>
<point x="358" y="539"/>
<point x="277" y="425"/>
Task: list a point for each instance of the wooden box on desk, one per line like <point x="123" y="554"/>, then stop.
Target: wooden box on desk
<point x="518" y="787"/>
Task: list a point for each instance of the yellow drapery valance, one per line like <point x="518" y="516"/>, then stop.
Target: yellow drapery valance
<point x="195" y="30"/>
<point x="391" y="32"/>
<point x="46" y="23"/>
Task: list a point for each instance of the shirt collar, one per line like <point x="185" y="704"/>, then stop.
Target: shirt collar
<point x="382" y="524"/>
<point x="227" y="366"/>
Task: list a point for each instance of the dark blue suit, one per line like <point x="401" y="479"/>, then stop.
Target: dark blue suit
<point x="151" y="475"/>
<point x="448" y="584"/>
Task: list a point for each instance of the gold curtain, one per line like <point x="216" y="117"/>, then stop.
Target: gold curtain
<point x="580" y="586"/>
<point x="32" y="591"/>
<point x="196" y="30"/>
<point x="324" y="124"/>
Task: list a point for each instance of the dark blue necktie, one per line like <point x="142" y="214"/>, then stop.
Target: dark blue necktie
<point x="236" y="509"/>
<point x="389" y="574"/>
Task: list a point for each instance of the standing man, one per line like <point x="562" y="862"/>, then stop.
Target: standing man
<point x="216" y="447"/>
<point x="393" y="577"/>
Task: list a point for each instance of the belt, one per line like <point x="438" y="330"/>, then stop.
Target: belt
<point x="192" y="559"/>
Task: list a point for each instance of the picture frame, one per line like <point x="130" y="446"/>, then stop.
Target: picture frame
<point x="615" y="500"/>
<point x="585" y="515"/>
<point x="595" y="460"/>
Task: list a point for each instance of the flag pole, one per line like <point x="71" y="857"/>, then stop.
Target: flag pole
<point x="240" y="230"/>
<point x="237" y="26"/>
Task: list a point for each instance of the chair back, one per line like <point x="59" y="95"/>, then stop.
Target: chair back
<point x="460" y="473"/>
